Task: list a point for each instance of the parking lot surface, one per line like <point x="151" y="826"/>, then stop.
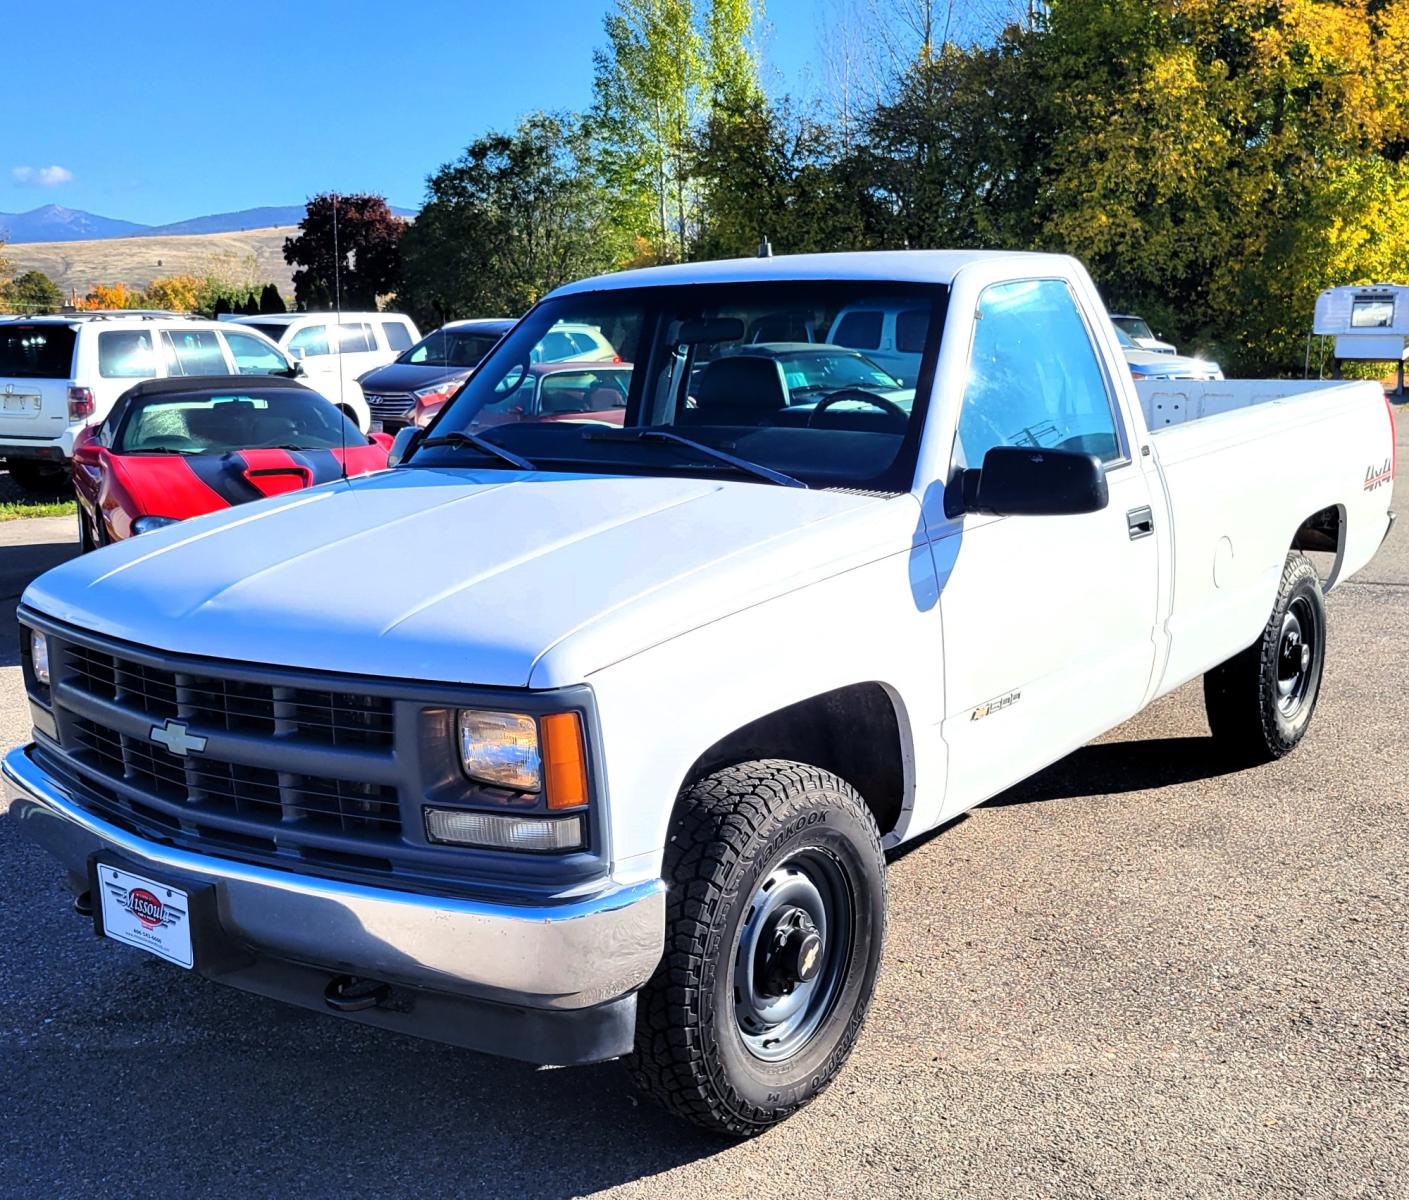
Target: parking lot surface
<point x="1135" y="975"/>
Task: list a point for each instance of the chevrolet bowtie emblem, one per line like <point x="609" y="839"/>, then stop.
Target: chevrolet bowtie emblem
<point x="178" y="739"/>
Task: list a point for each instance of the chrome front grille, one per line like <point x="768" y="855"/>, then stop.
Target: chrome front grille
<point x="232" y="705"/>
<point x="389" y="404"/>
<point x="249" y="782"/>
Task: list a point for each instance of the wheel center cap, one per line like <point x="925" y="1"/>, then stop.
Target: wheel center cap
<point x="793" y="954"/>
<point x="808" y="956"/>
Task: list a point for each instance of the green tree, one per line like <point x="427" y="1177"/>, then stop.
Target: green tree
<point x="670" y="67"/>
<point x="512" y="218"/>
<point x="767" y="171"/>
<point x="31" y="292"/>
<point x="955" y="157"/>
<point x="270" y="301"/>
<point x="648" y="84"/>
<point x="348" y="249"/>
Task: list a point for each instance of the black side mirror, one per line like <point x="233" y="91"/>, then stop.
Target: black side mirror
<point x="403" y="444"/>
<point x="1032" y="482"/>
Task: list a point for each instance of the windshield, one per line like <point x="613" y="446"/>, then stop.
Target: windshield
<point x="1136" y="327"/>
<point x="206" y="422"/>
<point x="36" y="351"/>
<point x="686" y="367"/>
<point x="1124" y="339"/>
<point x="450" y="348"/>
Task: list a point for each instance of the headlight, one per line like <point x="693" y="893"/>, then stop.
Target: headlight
<point x="501" y="748"/>
<point x="147" y="524"/>
<point x="442" y="390"/>
<point x="546" y="755"/>
<point x="39" y="656"/>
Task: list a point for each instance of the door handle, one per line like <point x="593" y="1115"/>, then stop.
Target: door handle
<point x="1140" y="521"/>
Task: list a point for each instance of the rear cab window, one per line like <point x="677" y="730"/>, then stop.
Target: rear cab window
<point x="36" y="351"/>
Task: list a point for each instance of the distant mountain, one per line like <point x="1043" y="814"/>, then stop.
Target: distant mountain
<point x="246" y="218"/>
<point x="54" y="223"/>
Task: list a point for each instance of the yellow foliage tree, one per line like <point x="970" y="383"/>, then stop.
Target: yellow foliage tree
<point x="111" y="295"/>
<point x="176" y="293"/>
<point x="1219" y="162"/>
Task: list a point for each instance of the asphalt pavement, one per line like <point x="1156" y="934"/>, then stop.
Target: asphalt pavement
<point x="1136" y="975"/>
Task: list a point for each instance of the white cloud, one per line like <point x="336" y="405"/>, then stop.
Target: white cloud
<point x="41" y="176"/>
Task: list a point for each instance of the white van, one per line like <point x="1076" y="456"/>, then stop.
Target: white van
<point x="338" y="345"/>
<point x="890" y="333"/>
<point x="60" y="373"/>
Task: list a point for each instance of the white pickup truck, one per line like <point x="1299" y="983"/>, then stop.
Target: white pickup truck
<point x="571" y="740"/>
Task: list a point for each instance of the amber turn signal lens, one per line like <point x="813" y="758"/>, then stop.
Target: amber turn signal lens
<point x="564" y="760"/>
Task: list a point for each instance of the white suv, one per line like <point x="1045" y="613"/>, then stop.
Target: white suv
<point x="337" y="346"/>
<point x="60" y="373"/>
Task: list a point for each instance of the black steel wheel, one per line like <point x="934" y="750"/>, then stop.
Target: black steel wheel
<point x="1260" y="702"/>
<point x="775" y="924"/>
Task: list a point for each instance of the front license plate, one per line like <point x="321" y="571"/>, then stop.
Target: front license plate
<point x="146" y="913"/>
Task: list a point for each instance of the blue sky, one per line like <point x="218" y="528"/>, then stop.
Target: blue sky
<point x="159" y="111"/>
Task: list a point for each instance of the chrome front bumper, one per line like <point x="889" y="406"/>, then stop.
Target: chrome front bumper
<point x="572" y="954"/>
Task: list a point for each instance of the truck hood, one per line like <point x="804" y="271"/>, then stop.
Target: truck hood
<point x="485" y="577"/>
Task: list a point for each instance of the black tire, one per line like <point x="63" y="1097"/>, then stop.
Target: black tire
<point x="38" y="478"/>
<point x="1260" y="702"/>
<point x="703" y="1051"/>
<point x="85" y="532"/>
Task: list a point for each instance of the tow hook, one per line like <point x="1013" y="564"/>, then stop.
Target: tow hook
<point x="349" y="993"/>
<point x="83" y="904"/>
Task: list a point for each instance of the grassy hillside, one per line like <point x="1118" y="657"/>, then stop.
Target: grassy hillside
<point x="250" y="256"/>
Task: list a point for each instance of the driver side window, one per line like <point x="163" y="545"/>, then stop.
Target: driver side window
<point x="1034" y="377"/>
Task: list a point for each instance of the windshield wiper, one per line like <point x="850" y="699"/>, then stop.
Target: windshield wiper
<point x="664" y="436"/>
<point x="474" y="441"/>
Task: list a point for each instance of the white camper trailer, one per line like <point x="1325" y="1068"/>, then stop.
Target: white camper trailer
<point x="1370" y="323"/>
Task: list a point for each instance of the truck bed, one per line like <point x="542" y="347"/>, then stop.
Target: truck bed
<point x="1180" y="402"/>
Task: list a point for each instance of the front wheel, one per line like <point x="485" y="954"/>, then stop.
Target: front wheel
<point x="774" y="929"/>
<point x="1260" y="702"/>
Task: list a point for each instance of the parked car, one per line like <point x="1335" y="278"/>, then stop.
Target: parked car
<point x="890" y="331"/>
<point x="60" y="374"/>
<point x="1148" y="364"/>
<point x="591" y="391"/>
<point x="171" y="449"/>
<point x="1138" y="330"/>
<point x="431" y="370"/>
<point x="570" y="743"/>
<point x="813" y="374"/>
<point x="336" y="349"/>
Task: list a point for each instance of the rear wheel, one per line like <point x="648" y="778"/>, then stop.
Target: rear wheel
<point x="774" y="931"/>
<point x="85" y="532"/>
<point x="1260" y="702"/>
<point x="39" y="478"/>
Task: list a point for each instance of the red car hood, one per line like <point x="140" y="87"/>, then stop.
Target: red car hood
<point x="190" y="486"/>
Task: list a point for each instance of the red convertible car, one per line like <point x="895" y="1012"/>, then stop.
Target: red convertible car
<point x="177" y="448"/>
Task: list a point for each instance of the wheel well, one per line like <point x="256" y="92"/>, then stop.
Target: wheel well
<point x="1323" y="532"/>
<point x="853" y="732"/>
